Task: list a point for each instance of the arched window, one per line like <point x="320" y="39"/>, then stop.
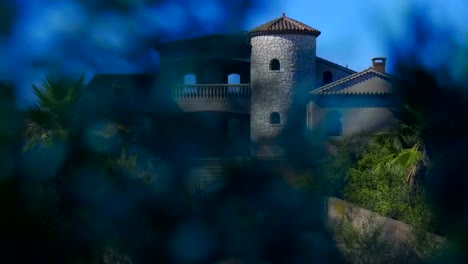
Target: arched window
<point x="274" y="65"/>
<point x="233" y="78"/>
<point x="327" y="77"/>
<point x="334" y="124"/>
<point x="275" y="118"/>
<point x="190" y="79"/>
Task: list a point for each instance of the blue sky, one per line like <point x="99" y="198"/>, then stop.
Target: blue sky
<point x="72" y="36"/>
<point x="354" y="31"/>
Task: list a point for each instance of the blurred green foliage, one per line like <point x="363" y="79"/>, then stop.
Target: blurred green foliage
<point x="386" y="191"/>
<point x="384" y="172"/>
<point x="93" y="183"/>
<point x="86" y="188"/>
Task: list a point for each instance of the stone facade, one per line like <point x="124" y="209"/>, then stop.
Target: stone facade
<point x="304" y="91"/>
<point x="282" y="91"/>
<point x="355" y="119"/>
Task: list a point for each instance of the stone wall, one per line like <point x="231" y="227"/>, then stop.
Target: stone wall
<point x="358" y="113"/>
<point x="396" y="233"/>
<point x="281" y="91"/>
<point x="360" y="119"/>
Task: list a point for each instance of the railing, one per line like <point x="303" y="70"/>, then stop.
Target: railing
<point x="211" y="91"/>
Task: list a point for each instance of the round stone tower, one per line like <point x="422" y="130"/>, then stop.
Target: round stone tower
<point x="282" y="72"/>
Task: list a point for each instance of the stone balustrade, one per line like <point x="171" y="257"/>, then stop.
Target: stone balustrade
<point x="215" y="91"/>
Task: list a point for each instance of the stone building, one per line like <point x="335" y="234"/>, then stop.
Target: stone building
<point x="258" y="89"/>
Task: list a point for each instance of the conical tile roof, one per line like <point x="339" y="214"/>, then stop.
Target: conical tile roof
<point x="284" y="25"/>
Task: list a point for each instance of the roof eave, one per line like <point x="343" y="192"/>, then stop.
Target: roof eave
<point x="283" y="32"/>
<point x="351" y="77"/>
<point x="336" y="65"/>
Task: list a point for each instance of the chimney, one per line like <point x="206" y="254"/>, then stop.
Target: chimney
<point x="378" y="64"/>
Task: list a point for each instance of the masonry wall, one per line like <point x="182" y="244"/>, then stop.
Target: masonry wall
<point x="280" y="91"/>
<point x="322" y="67"/>
<point x="398" y="234"/>
<point x="360" y="113"/>
<point x="364" y="119"/>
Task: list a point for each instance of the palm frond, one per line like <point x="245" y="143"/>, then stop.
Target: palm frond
<point x="37" y="116"/>
<point x="53" y="113"/>
<point x="406" y="163"/>
<point x="388" y="138"/>
<point x="43" y="98"/>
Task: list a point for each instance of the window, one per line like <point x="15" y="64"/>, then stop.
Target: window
<point x="190" y="79"/>
<point x="274" y="65"/>
<point x="275" y="118"/>
<point x="327" y="77"/>
<point x="233" y="78"/>
<point x="334" y="124"/>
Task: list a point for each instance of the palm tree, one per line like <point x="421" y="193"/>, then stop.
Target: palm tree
<point x="62" y="113"/>
<point x="61" y="110"/>
<point x="408" y="152"/>
<point x="55" y="112"/>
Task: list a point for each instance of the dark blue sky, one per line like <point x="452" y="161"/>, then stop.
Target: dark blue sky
<point x="354" y="31"/>
<point x="71" y="36"/>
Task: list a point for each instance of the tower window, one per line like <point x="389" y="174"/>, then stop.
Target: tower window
<point x="334" y="124"/>
<point x="275" y="118"/>
<point x="274" y="65"/>
<point x="327" y="77"/>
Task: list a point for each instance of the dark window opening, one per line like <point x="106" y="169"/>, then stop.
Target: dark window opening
<point x="274" y="65"/>
<point x="327" y="77"/>
<point x="334" y="124"/>
<point x="275" y="118"/>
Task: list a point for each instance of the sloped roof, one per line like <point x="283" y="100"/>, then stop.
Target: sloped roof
<point x="334" y="65"/>
<point x="284" y="25"/>
<point x="367" y="82"/>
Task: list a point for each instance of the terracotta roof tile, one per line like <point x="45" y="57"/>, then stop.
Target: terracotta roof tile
<point x="284" y="25"/>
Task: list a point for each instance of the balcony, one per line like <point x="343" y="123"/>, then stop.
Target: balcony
<point x="213" y="97"/>
<point x="218" y="91"/>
